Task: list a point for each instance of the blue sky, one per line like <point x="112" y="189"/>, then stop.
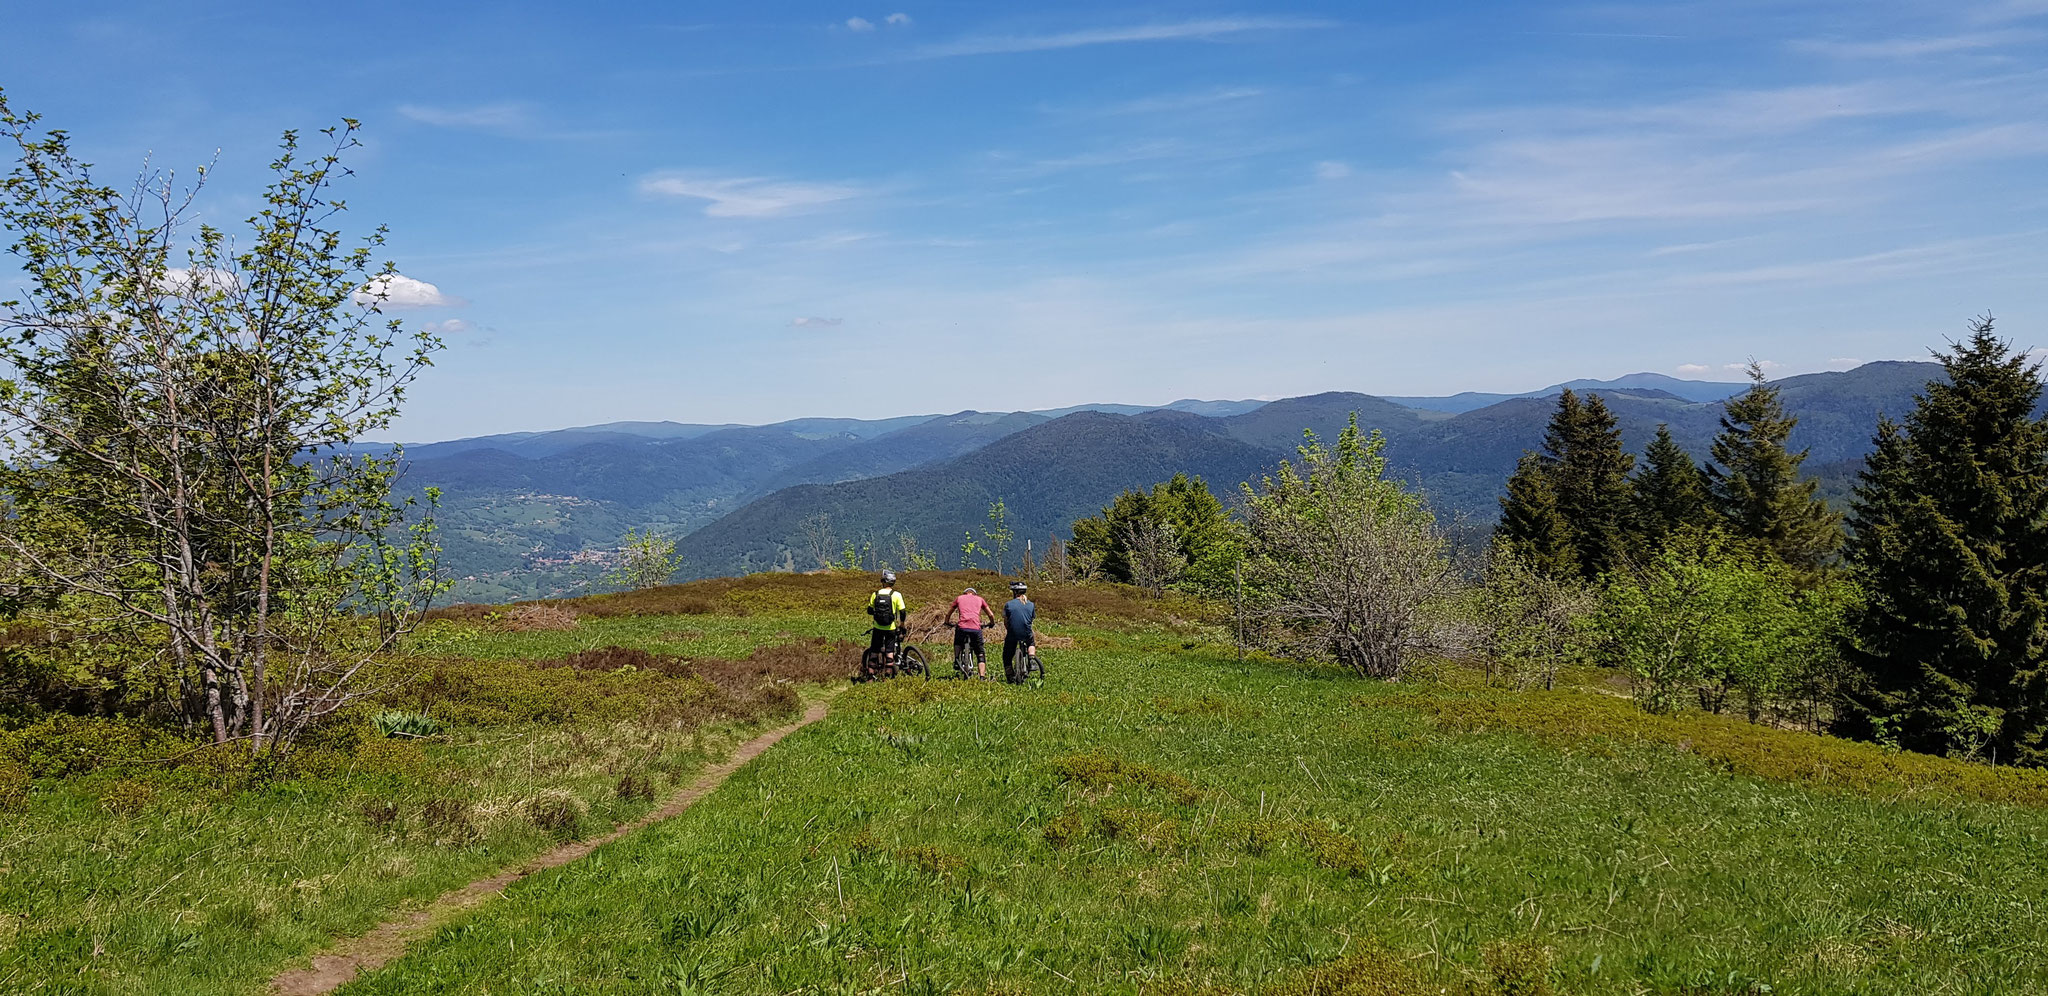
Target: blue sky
<point x="747" y="212"/>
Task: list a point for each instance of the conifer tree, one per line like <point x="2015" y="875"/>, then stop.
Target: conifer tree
<point x="1585" y="472"/>
<point x="1592" y="482"/>
<point x="1950" y="547"/>
<point x="1531" y="528"/>
<point x="1755" y="485"/>
<point x="1667" y="495"/>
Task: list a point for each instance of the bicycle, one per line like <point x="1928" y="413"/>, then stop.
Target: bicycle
<point x="964" y="661"/>
<point x="1024" y="667"/>
<point x="875" y="665"/>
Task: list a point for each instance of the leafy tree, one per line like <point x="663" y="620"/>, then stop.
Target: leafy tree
<point x="1345" y="564"/>
<point x="1534" y="622"/>
<point x="998" y="536"/>
<point x="187" y="432"/>
<point x="1700" y="619"/>
<point x="1668" y="494"/>
<point x="913" y="558"/>
<point x="646" y="560"/>
<point x="1532" y="530"/>
<point x="1950" y="547"/>
<point x="1179" y="525"/>
<point x="1755" y="485"/>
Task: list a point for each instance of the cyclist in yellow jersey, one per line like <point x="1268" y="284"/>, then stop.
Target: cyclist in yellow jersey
<point x="889" y="616"/>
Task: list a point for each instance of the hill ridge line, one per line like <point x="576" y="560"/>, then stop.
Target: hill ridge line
<point x="388" y="941"/>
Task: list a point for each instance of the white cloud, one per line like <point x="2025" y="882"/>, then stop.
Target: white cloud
<point x="489" y="117"/>
<point x="1181" y="31"/>
<point x="898" y="19"/>
<point x="1692" y="369"/>
<point x="396" y="290"/>
<point x="453" y="326"/>
<point x="181" y="280"/>
<point x="814" y="322"/>
<point x="1332" y="170"/>
<point x="748" y="197"/>
<point x="1844" y="363"/>
<point x="859" y="24"/>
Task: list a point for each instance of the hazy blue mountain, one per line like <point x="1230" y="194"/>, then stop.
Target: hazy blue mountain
<point x="940" y="438"/>
<point x="1190" y="405"/>
<point x="1048" y="475"/>
<point x="1071" y="465"/>
<point x="1689" y="390"/>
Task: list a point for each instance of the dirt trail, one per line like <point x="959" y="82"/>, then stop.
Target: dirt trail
<point x="341" y="964"/>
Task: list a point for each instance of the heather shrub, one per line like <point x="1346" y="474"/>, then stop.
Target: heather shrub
<point x="14" y="787"/>
<point x="1581" y="720"/>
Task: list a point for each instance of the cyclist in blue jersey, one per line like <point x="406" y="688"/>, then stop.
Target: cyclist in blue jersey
<point x="1019" y="613"/>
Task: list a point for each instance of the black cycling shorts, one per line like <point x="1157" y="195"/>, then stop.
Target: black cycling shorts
<point x="971" y="640"/>
<point x="1014" y="642"/>
<point x="883" y="640"/>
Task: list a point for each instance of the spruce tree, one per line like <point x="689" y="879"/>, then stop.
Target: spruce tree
<point x="1755" y="485"/>
<point x="1575" y="493"/>
<point x="1591" y="477"/>
<point x="1950" y="547"/>
<point x="1667" y="495"/>
<point x="1531" y="528"/>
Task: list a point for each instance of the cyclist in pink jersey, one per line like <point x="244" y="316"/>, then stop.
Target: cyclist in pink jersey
<point x="965" y="615"/>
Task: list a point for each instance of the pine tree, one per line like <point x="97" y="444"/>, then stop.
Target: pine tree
<point x="1755" y="485"/>
<point x="1531" y="528"/>
<point x="1667" y="495"/>
<point x="1950" y="520"/>
<point x="1591" y="478"/>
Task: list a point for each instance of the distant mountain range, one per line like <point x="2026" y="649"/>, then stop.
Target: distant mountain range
<point x="533" y="514"/>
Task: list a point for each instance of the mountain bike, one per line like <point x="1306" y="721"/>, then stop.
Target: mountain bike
<point x="1024" y="667"/>
<point x="875" y="665"/>
<point x="963" y="658"/>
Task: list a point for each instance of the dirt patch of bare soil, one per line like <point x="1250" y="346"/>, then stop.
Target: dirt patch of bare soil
<point x="340" y="965"/>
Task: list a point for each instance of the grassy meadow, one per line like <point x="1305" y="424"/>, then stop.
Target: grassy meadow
<point x="1156" y="818"/>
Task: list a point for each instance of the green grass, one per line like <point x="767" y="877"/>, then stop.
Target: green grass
<point x="1158" y="818"/>
<point x="134" y="880"/>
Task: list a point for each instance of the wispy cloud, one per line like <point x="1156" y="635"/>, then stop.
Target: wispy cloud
<point x="814" y="322"/>
<point x="859" y="24"/>
<point x="1198" y="30"/>
<point x="898" y="19"/>
<point x="748" y="197"/>
<point x="487" y="117"/>
<point x="1170" y="102"/>
<point x="1913" y="48"/>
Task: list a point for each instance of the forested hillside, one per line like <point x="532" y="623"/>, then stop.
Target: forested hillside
<point x="1076" y="464"/>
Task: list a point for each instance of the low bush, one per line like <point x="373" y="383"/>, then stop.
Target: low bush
<point x="59" y="746"/>
<point x="1736" y="746"/>
<point x="557" y="812"/>
<point x="127" y="797"/>
<point x="14" y="787"/>
<point x="1099" y="770"/>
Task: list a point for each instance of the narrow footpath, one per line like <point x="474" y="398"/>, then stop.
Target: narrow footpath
<point x="340" y="965"/>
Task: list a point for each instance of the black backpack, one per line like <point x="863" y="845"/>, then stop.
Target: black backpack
<point x="883" y="608"/>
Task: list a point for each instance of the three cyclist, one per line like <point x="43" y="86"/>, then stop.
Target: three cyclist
<point x="889" y="619"/>
<point x="965" y="615"/>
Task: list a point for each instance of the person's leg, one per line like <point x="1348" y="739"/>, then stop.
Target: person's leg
<point x="974" y="643"/>
<point x="1010" y="645"/>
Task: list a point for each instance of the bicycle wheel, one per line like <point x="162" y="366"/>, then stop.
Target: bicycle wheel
<point x="911" y="661"/>
<point x="870" y="662"/>
<point x="1033" y="668"/>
